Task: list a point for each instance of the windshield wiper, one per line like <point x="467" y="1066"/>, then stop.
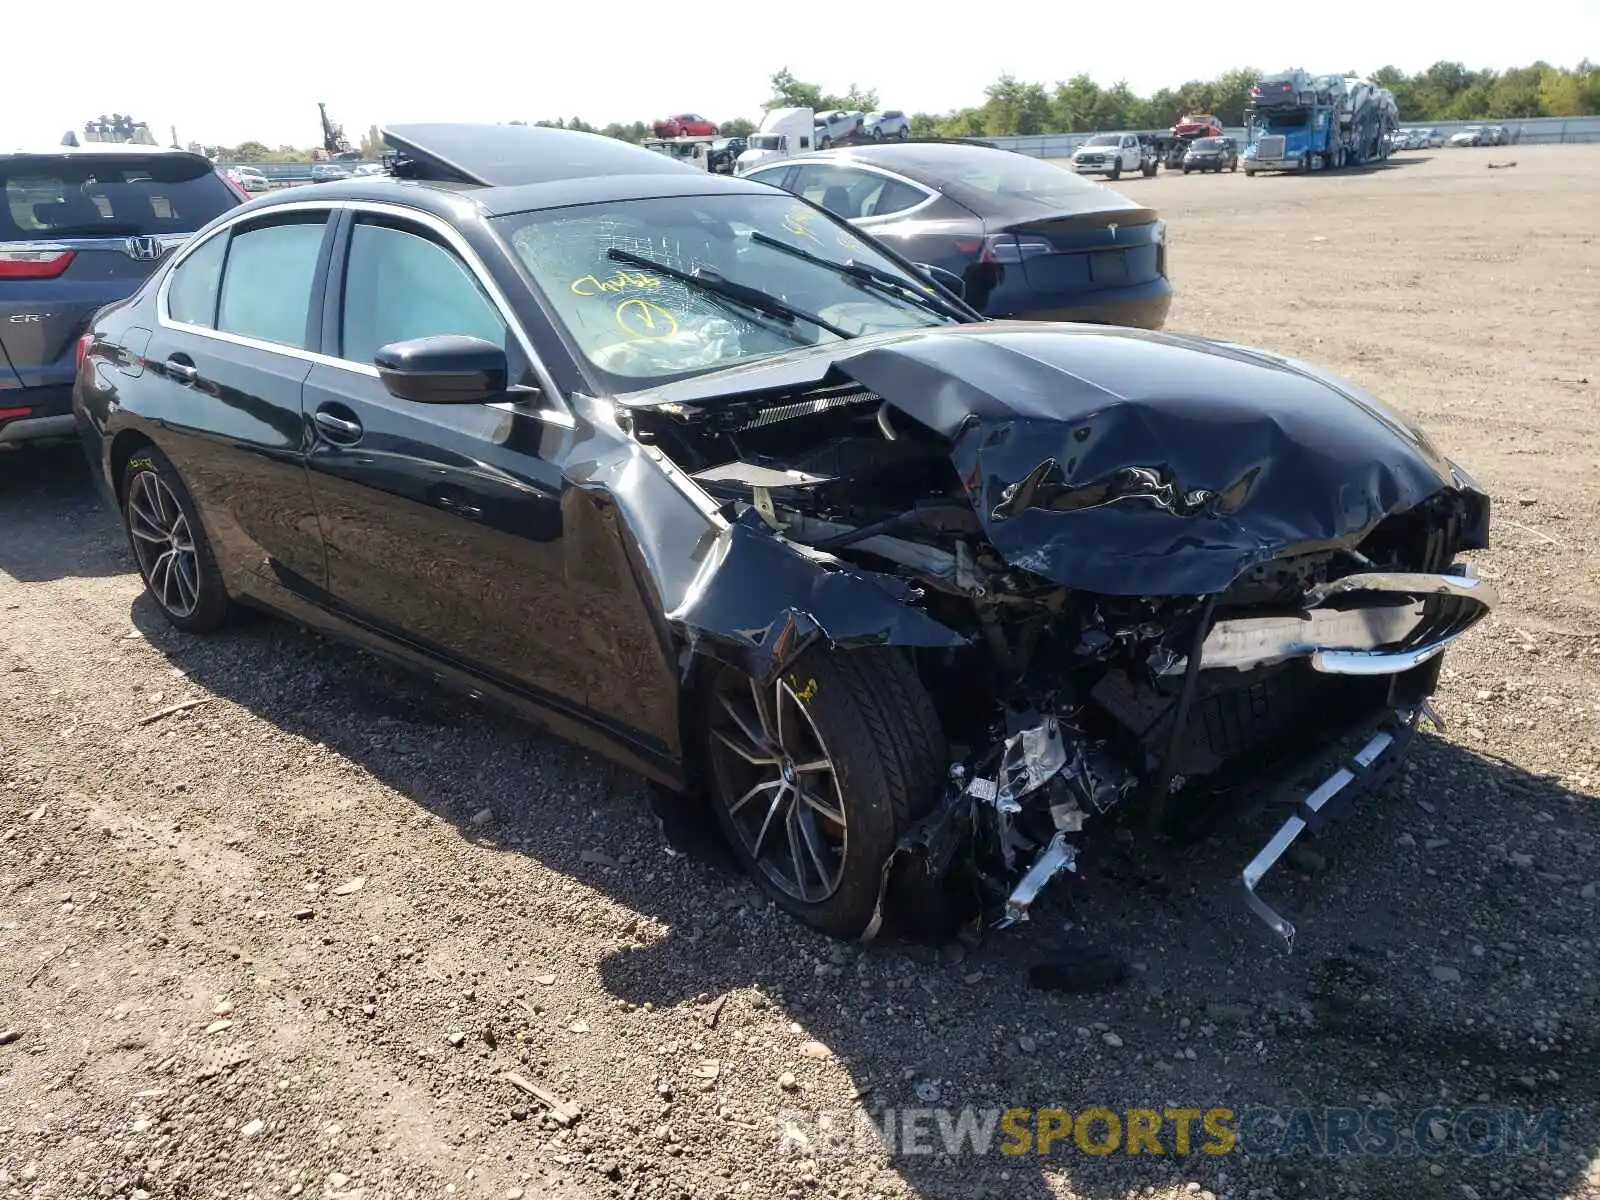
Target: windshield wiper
<point x="715" y="285"/>
<point x="866" y="275"/>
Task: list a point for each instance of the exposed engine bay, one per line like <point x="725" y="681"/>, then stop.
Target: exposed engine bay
<point x="1066" y="701"/>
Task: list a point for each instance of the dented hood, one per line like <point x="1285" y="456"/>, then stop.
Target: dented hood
<point x="1128" y="462"/>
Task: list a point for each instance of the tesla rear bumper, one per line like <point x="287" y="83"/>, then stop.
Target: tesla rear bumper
<point x="1138" y="306"/>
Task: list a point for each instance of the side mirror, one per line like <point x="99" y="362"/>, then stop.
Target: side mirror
<point x="451" y="369"/>
<point x="948" y="280"/>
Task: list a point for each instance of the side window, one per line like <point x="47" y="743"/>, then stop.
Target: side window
<point x="267" y="283"/>
<point x="773" y="176"/>
<point x="891" y="197"/>
<point x="841" y="191"/>
<point x="192" y="292"/>
<point x="401" y="285"/>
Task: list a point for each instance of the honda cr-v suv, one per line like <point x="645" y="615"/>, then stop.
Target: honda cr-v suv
<point x="79" y="229"/>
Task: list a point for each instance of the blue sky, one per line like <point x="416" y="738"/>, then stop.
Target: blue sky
<point x="224" y="73"/>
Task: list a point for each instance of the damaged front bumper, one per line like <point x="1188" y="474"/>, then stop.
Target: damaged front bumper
<point x="1333" y="798"/>
<point x="1017" y="808"/>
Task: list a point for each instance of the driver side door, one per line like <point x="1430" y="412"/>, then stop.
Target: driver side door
<point x="443" y="523"/>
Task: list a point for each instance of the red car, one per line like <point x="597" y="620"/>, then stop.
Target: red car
<point x="686" y="125"/>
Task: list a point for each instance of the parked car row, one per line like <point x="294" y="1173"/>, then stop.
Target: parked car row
<point x="734" y="488"/>
<point x="1481" y="135"/>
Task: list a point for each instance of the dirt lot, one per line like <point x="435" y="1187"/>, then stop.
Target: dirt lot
<point x="198" y="1000"/>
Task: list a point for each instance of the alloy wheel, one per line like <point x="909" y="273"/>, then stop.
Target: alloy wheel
<point x="779" y="786"/>
<point x="164" y="544"/>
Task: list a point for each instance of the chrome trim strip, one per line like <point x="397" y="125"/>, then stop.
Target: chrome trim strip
<point x="847" y="164"/>
<point x="1244" y="643"/>
<point x="1267" y="857"/>
<point x="1466" y="586"/>
<point x="1379" y="662"/>
<point x="560" y="415"/>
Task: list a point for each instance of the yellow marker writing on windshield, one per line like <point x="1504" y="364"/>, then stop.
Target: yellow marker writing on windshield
<point x="622" y="281"/>
<point x="645" y="321"/>
<point x="798" y="222"/>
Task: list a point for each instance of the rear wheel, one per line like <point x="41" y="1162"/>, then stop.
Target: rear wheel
<point x="905" y="132"/>
<point x="170" y="545"/>
<point x="815" y="776"/>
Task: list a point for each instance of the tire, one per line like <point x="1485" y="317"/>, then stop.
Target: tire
<point x="1114" y="174"/>
<point x="1186" y="170"/>
<point x="1249" y="174"/>
<point x="867" y="715"/>
<point x="905" y="132"/>
<point x="170" y="544"/>
<point x="877" y="134"/>
<point x="1234" y="167"/>
<point x="824" y="142"/>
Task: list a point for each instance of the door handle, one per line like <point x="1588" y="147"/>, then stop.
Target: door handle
<point x="337" y="429"/>
<point x="181" y="371"/>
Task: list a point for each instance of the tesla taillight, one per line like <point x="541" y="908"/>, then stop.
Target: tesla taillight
<point x="1009" y="248"/>
<point x="42" y="263"/>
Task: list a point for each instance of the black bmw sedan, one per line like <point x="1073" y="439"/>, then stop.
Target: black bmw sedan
<point x="1030" y="240"/>
<point x="692" y="472"/>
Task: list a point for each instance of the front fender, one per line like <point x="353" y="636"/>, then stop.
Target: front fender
<point x="760" y="602"/>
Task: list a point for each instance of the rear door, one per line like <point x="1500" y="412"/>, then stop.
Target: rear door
<point x="238" y="326"/>
<point x="80" y="230"/>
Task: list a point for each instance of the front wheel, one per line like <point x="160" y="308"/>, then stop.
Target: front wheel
<point x="905" y="132"/>
<point x="815" y="776"/>
<point x="170" y="545"/>
<point x="1114" y="174"/>
<point x="877" y="135"/>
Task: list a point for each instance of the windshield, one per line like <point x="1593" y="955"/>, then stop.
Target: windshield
<point x="765" y="141"/>
<point x="637" y="327"/>
<point x="1105" y="139"/>
<point x="48" y="197"/>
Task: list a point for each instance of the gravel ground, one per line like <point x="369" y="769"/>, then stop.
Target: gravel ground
<point x="296" y="939"/>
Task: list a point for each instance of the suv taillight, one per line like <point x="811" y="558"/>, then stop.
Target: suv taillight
<point x="43" y="263"/>
<point x="84" y="342"/>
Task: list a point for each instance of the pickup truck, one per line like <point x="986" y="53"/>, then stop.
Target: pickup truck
<point x="1110" y="154"/>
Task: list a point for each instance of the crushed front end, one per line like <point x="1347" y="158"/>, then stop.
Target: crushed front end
<point x="1160" y="603"/>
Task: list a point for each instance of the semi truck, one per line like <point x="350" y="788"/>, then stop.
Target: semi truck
<point x="784" y="131"/>
<point x="1300" y="122"/>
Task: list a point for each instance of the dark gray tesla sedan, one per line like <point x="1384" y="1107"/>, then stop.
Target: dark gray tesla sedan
<point x="1029" y="240"/>
<point x="692" y="472"/>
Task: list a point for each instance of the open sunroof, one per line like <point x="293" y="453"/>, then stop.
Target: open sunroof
<point x="508" y="155"/>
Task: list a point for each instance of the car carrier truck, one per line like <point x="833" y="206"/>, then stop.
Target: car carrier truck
<point x="1300" y="122"/>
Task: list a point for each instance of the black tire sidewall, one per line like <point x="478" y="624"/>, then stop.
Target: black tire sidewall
<point x="212" y="609"/>
<point x="874" y="818"/>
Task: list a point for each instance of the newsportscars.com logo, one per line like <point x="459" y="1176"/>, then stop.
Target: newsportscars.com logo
<point x="1265" y="1132"/>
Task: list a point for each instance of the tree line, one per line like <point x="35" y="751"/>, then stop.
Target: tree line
<point x="1446" y="91"/>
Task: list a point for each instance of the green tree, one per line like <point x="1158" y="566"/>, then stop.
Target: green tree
<point x="1015" y="107"/>
<point x="738" y="127"/>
